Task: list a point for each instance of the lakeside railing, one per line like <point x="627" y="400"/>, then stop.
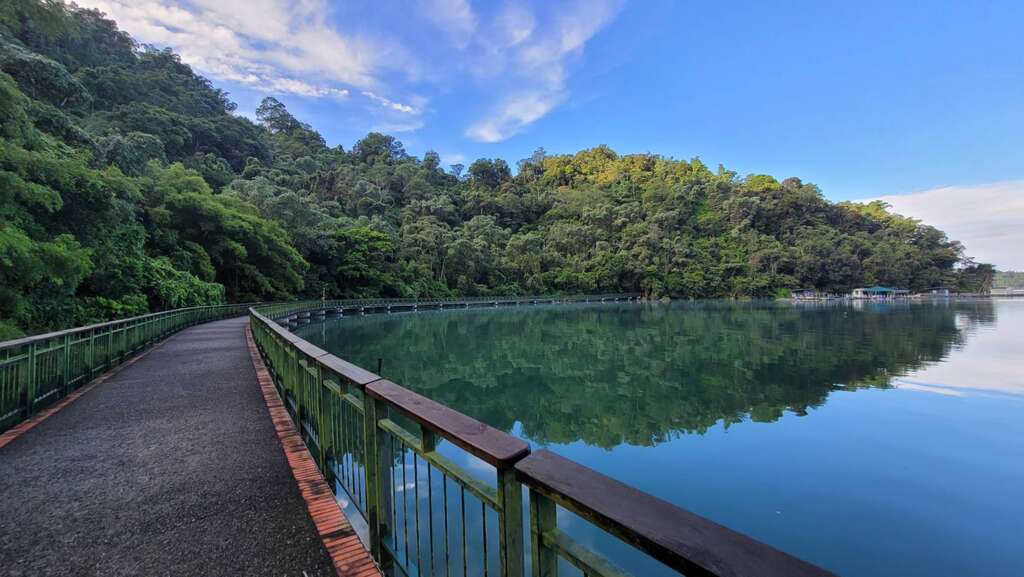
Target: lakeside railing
<point x="411" y="466"/>
<point x="427" y="514"/>
<point x="286" y="311"/>
<point x="38" y="370"/>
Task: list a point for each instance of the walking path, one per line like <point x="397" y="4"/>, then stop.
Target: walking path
<point x="170" y="467"/>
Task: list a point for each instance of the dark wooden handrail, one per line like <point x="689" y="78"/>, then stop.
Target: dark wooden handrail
<point x="493" y="446"/>
<point x="682" y="540"/>
<point x="356" y="375"/>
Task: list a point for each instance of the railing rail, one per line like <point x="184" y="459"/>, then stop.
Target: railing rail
<point x="429" y="507"/>
<point x="38" y="370"/>
<point x="678" y="538"/>
<point x="282" y="310"/>
<point x="430" y="515"/>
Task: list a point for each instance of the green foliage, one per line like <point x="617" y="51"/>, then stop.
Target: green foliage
<point x="290" y="137"/>
<point x="251" y="256"/>
<point x="172" y="288"/>
<point x="1008" y="279"/>
<point x="127" y="185"/>
<point x="38" y="279"/>
<point x="131" y="152"/>
<point x="976" y="278"/>
<point x="42" y="78"/>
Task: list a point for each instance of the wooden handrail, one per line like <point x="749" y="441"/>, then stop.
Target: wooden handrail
<point x="353" y="373"/>
<point x="682" y="540"/>
<point x="497" y="448"/>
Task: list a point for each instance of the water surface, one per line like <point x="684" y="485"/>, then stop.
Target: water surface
<point x="879" y="439"/>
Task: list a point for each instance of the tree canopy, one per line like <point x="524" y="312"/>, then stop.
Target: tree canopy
<point x="128" y="184"/>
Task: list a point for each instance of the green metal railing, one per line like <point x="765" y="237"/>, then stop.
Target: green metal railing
<point x="38" y="370"/>
<point x="442" y="493"/>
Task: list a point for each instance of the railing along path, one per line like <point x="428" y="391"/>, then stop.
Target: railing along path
<point x="428" y="514"/>
<point x="38" y="370"/>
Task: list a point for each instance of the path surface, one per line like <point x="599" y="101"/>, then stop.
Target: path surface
<point x="172" y="467"/>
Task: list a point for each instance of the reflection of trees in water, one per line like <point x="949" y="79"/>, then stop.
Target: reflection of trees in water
<point x="609" y="374"/>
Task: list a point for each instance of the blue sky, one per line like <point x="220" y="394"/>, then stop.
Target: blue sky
<point x="865" y="99"/>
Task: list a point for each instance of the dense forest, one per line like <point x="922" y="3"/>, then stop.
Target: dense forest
<point x="128" y="184"/>
<point x="1008" y="279"/>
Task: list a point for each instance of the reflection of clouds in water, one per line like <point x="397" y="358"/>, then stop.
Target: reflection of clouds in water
<point x="927" y="388"/>
<point x="958" y="390"/>
<point x="990" y="359"/>
<point x="406" y="487"/>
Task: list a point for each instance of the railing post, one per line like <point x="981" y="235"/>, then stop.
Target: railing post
<point x="543" y="519"/>
<point x="295" y="368"/>
<point x="318" y="417"/>
<point x="67" y="364"/>
<point x="328" y="430"/>
<point x="30" y="384"/>
<point x="378" y="476"/>
<point x="92" y="353"/>
<point x="510" y="520"/>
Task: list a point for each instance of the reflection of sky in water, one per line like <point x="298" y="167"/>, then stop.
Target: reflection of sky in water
<point x="991" y="359"/>
<point x="871" y="481"/>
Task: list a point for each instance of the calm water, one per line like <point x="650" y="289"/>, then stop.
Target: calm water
<point x="871" y="440"/>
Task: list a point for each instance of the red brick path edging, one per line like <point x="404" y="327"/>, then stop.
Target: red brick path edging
<point x="25" y="426"/>
<point x="350" y="557"/>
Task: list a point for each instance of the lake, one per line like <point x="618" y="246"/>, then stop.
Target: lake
<point x="870" y="439"/>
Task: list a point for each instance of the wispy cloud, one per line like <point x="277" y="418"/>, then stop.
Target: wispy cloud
<point x="536" y="57"/>
<point x="398" y="126"/>
<point x="987" y="218"/>
<point x="516" y="57"/>
<point x="513" y="114"/>
<point x="455" y="18"/>
<point x="270" y="45"/>
<point x="391" y="104"/>
<point x="515" y="23"/>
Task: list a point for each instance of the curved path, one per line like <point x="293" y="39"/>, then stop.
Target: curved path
<point x="171" y="467"/>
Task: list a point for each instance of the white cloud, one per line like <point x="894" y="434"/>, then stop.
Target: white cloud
<point x="513" y="115"/>
<point x="271" y="45"/>
<point x="293" y="86"/>
<point x="455" y="18"/>
<point x="515" y="24"/>
<point x="569" y="33"/>
<point x="521" y="50"/>
<point x="391" y="104"/>
<point x="987" y="218"/>
<point x="535" y="57"/>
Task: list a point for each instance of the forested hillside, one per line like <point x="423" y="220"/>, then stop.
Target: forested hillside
<point x="128" y="184"/>
<point x="1008" y="279"/>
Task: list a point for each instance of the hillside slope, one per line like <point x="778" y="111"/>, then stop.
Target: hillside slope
<point x="127" y="184"/>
